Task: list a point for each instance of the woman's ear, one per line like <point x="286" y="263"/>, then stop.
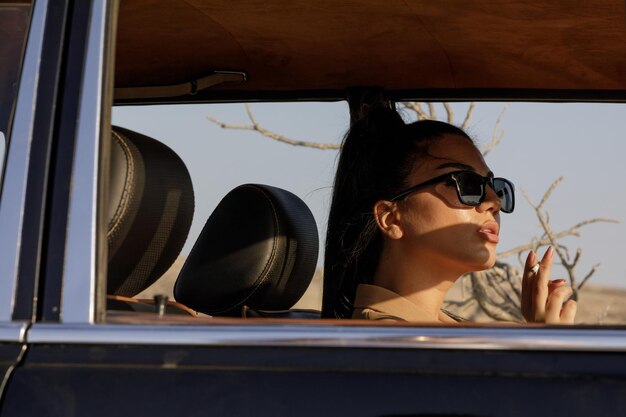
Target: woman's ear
<point x="388" y="219"/>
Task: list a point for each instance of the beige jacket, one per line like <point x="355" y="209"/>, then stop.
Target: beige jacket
<point x="377" y="303"/>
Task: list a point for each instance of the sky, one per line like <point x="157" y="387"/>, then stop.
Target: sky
<point x="584" y="143"/>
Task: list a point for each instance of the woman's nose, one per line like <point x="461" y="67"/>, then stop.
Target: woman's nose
<point x="492" y="201"/>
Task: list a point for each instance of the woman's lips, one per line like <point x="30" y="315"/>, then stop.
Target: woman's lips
<point x="489" y="231"/>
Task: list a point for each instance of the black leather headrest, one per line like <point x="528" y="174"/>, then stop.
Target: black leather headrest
<point x="259" y="248"/>
<point x="150" y="210"/>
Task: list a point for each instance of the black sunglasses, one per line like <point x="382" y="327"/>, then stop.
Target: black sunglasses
<point x="470" y="188"/>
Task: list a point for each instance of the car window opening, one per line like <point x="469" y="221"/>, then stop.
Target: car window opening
<point x="231" y="264"/>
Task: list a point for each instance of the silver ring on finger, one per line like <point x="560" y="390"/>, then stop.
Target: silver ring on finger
<point x="535" y="269"/>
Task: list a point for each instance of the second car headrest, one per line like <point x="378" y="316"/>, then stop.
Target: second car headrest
<point x="259" y="248"/>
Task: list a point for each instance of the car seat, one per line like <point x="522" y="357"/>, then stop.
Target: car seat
<point x="255" y="256"/>
<point x="149" y="212"/>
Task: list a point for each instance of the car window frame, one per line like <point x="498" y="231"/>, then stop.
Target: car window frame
<point x="17" y="163"/>
<point x="82" y="316"/>
<point x="82" y="297"/>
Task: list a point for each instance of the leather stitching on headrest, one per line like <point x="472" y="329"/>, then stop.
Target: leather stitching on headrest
<point x="128" y="190"/>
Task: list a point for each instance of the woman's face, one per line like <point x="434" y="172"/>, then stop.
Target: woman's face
<point x="436" y="225"/>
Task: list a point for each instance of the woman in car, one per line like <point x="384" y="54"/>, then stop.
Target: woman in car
<point x="414" y="207"/>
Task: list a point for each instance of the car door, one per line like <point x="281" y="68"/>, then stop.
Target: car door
<point x="77" y="360"/>
<point x="38" y="114"/>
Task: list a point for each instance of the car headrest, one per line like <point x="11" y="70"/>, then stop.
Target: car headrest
<point x="150" y="209"/>
<point x="258" y="249"/>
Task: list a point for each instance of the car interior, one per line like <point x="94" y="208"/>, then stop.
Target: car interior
<point x="255" y="256"/>
<point x="258" y="249"/>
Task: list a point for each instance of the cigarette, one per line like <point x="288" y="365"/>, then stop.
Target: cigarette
<point x="535" y="269"/>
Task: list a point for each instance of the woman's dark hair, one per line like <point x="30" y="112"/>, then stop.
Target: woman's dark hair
<point x="378" y="154"/>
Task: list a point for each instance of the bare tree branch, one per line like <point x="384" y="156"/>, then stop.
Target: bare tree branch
<point x="431" y="110"/>
<point x="561" y="253"/>
<point x="565" y="250"/>
<point x="417" y="108"/>
<point x="572" y="231"/>
<point x="589" y="274"/>
<point x="432" y="114"/>
<point x="499" y="311"/>
<point x="576" y="257"/>
<point x="250" y="115"/>
<point x="449" y="112"/>
<point x="497" y="135"/>
<point x="269" y="134"/>
<point x="468" y="115"/>
<point x="546" y="195"/>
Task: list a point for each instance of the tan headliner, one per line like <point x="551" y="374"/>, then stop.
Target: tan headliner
<point x="394" y="44"/>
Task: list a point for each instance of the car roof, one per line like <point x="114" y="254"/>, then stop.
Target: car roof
<point x="413" y="49"/>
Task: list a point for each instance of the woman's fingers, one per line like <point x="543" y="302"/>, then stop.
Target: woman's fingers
<point x="568" y="313"/>
<point x="554" y="284"/>
<point x="555" y="305"/>
<point x="527" y="293"/>
<point x="544" y="300"/>
<point x="540" y="286"/>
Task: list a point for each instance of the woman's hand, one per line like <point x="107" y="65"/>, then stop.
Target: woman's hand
<point x="545" y="301"/>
